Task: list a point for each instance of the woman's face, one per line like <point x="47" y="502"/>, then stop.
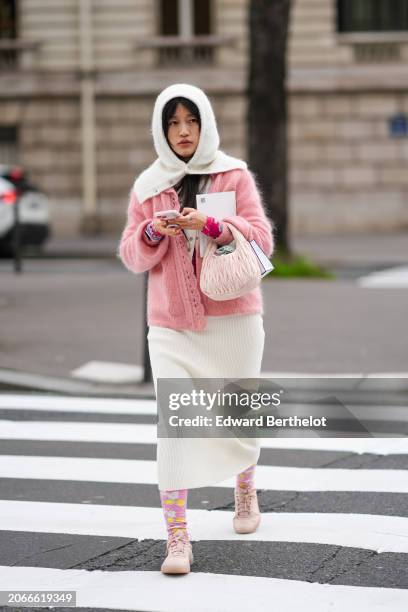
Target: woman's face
<point x="183" y="132"/>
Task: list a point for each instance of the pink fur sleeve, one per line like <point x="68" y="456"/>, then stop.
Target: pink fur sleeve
<point x="134" y="250"/>
<point x="251" y="219"/>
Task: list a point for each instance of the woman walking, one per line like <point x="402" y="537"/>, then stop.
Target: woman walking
<point x="190" y="335"/>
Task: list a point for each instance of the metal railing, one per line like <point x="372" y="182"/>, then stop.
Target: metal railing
<point x="185" y="50"/>
<point x="375" y="47"/>
<point x="18" y="54"/>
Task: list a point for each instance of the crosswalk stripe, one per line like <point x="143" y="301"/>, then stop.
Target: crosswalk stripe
<point x="127" y="433"/>
<point x="130" y="433"/>
<point x="139" y="471"/>
<point x="377" y="446"/>
<point x="148" y="407"/>
<point x="396" y="277"/>
<point x="148" y="590"/>
<point x="77" y="404"/>
<point x="367" y="531"/>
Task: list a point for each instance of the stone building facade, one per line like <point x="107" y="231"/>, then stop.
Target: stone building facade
<point x="78" y="79"/>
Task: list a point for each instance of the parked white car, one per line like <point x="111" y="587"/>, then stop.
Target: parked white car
<point x="33" y="209"/>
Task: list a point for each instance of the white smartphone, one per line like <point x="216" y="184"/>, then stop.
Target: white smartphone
<point x="167" y="214"/>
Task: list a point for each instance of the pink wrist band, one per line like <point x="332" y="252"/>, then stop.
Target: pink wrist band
<point x="212" y="228"/>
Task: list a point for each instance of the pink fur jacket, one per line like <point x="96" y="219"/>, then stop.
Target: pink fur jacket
<point x="174" y="298"/>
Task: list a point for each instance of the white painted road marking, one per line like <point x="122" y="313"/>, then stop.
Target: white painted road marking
<point x="199" y="592"/>
<point x="130" y="433"/>
<point x="141" y="471"/>
<point x="391" y="278"/>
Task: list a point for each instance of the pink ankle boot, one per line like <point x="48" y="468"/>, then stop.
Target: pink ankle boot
<point x="247" y="516"/>
<point x="179" y="554"/>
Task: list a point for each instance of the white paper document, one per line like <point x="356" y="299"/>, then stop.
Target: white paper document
<point x="264" y="263"/>
<point x="219" y="205"/>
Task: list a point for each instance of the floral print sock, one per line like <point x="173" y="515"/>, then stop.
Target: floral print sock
<point x="174" y="504"/>
<point x="246" y="479"/>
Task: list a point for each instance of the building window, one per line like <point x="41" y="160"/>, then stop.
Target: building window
<point x="169" y="17"/>
<point x="8" y="144"/>
<point x="184" y="20"/>
<point x="372" y="15"/>
<point x="8" y="28"/>
<point x="8" y="32"/>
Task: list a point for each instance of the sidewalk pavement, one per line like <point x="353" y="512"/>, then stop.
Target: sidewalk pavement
<point x="68" y="310"/>
<point x="355" y="249"/>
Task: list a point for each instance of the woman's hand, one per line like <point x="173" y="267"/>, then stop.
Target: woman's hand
<point x="160" y="225"/>
<point x="191" y="219"/>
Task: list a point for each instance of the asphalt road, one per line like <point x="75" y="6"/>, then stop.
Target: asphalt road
<point x="59" y="314"/>
<point x="81" y="511"/>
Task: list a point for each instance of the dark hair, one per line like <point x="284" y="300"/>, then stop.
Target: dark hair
<point x="187" y="188"/>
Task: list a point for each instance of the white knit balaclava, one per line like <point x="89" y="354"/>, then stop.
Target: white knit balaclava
<point x="209" y="139"/>
<point x="168" y="169"/>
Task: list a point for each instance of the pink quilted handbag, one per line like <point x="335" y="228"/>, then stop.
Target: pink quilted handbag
<point x="225" y="277"/>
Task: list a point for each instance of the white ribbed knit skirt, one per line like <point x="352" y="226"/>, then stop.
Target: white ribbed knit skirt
<point x="230" y="347"/>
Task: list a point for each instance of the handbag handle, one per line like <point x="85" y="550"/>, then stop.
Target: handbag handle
<point x="237" y="236"/>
